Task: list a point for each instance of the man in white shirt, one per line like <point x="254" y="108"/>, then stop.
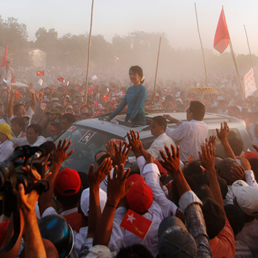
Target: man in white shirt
<point x="33" y="136"/>
<point x="6" y="146"/>
<point x="6" y="73"/>
<point x="191" y="134"/>
<point x="158" y="130"/>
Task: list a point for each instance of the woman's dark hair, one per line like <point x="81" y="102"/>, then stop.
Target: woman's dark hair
<point x="236" y="217"/>
<point x="134" y="251"/>
<point x="137" y="69"/>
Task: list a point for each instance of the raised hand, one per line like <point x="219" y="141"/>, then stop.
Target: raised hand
<point x="171" y="161"/>
<point x="111" y="148"/>
<point x="207" y="157"/>
<point x="59" y="154"/>
<point x="121" y="153"/>
<point x="211" y="141"/>
<point x="97" y="176"/>
<point x="238" y="173"/>
<point x="28" y="201"/>
<point x="135" y="142"/>
<point x="116" y="188"/>
<point x="223" y="132"/>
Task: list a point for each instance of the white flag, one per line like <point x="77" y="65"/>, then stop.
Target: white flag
<point x="94" y="77"/>
<point x="40" y="82"/>
<point x="249" y="82"/>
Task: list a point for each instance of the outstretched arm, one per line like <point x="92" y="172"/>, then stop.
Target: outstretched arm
<point x="223" y="136"/>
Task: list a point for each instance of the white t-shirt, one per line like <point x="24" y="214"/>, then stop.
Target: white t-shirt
<point x="38" y="142"/>
<point x="189" y="136"/>
<point x="6" y="150"/>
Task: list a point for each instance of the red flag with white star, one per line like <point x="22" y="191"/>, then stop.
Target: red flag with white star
<point x="136" y="224"/>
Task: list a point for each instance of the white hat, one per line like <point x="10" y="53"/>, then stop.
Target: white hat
<point x="246" y="196"/>
<point x="85" y="200"/>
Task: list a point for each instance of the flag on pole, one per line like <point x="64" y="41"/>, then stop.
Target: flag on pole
<point x="249" y="82"/>
<point x="40" y="82"/>
<point x="61" y="79"/>
<point x="105" y="97"/>
<point x="222" y="38"/>
<point x="40" y="73"/>
<point x="136" y="224"/>
<point x="5" y="56"/>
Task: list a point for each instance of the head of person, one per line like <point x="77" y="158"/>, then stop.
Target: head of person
<point x="158" y="126"/>
<point x="236" y="217"/>
<point x="67" y="120"/>
<point x="85" y="116"/>
<point x="68" y="188"/>
<point x="195" y="111"/>
<point x="100" y="156"/>
<point x="53" y="114"/>
<point x="76" y="108"/>
<point x="33" y="131"/>
<point x="17" y="125"/>
<point x="235" y="143"/>
<point x="84" y="109"/>
<point x="5" y="132"/>
<point x="139" y="197"/>
<point x="55" y="129"/>
<point x="246" y="197"/>
<point x="224" y="170"/>
<point x="55" y="229"/>
<point x="134" y="251"/>
<point x="19" y="110"/>
<point x="234" y="111"/>
<point x="174" y="240"/>
<point x="136" y="75"/>
<point x="7" y="64"/>
<point x="85" y="203"/>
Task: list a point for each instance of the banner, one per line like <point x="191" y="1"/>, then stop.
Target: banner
<point x="249" y="82"/>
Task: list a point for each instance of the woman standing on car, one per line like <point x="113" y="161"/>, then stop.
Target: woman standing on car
<point x="135" y="98"/>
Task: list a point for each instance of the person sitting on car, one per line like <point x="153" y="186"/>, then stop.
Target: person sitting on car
<point x="190" y="135"/>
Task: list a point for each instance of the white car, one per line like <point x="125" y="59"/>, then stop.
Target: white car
<point x="90" y="136"/>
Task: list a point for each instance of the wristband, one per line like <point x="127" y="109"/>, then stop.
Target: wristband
<point x="111" y="205"/>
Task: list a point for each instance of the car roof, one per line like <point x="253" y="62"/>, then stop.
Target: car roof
<point x="212" y="120"/>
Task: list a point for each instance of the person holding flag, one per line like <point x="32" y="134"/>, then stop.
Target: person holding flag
<point x="6" y="73"/>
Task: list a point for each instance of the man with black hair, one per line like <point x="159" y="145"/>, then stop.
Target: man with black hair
<point x="191" y="134"/>
<point x="158" y="130"/>
<point x="33" y="136"/>
<point x="67" y="120"/>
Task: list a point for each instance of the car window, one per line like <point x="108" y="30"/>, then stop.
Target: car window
<point x="86" y="142"/>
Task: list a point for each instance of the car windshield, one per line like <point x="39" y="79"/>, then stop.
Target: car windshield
<point x="86" y="142"/>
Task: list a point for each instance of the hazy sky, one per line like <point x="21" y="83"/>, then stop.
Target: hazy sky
<point x="175" y="18"/>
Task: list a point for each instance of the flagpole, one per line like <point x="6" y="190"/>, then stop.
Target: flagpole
<point x="250" y="54"/>
<point x="88" y="63"/>
<point x="205" y="69"/>
<point x="156" y="74"/>
<point x="237" y="71"/>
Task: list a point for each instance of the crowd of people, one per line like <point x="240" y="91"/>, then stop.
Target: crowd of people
<point x="176" y="199"/>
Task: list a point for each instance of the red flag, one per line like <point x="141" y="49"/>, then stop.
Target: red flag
<point x="5" y="56"/>
<point x="90" y="91"/>
<point x="105" y="97"/>
<point x="222" y="38"/>
<point x="40" y="73"/>
<point x="61" y="79"/>
<point x="136" y="224"/>
<point x="96" y="103"/>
